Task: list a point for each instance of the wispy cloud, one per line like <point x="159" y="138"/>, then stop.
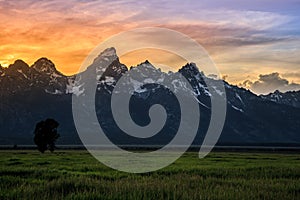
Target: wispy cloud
<point x="244" y="38"/>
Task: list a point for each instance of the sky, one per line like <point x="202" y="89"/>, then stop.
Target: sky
<point x="255" y="44"/>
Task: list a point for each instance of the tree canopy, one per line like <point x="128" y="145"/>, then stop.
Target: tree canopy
<point x="45" y="135"/>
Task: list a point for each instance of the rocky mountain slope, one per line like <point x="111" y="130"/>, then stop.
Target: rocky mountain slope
<point x="29" y="94"/>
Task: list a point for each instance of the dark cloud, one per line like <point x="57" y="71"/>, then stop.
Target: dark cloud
<point x="246" y="84"/>
<point x="269" y="83"/>
<point x="224" y="77"/>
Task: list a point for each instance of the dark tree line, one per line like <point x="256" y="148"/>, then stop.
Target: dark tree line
<point x="45" y="135"/>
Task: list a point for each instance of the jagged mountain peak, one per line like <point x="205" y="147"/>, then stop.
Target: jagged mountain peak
<point x="35" y="93"/>
<point x="109" y="54"/>
<point x="190" y="66"/>
<point x="44" y="59"/>
<point x="277" y="92"/>
<point x="291" y="98"/>
<point x="107" y="62"/>
<point x="44" y="65"/>
<point x="18" y="65"/>
<point x="146" y="64"/>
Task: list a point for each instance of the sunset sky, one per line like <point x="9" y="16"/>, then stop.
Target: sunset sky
<point x="255" y="44"/>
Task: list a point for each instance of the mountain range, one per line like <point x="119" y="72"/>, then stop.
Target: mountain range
<point x="29" y="94"/>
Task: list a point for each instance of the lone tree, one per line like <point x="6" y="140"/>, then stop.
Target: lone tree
<point x="45" y="135"/>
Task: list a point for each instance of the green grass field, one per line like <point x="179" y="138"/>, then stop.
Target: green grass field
<point x="77" y="175"/>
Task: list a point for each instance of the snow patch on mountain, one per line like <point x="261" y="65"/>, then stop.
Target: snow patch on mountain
<point x="137" y="86"/>
<point x="236" y="108"/>
<point x="21" y="72"/>
<point x="73" y="87"/>
<point x="55" y="91"/>
<point x="109" y="80"/>
<point x="218" y="91"/>
<point x="239" y="98"/>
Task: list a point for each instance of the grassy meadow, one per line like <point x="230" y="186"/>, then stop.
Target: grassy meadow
<point x="75" y="174"/>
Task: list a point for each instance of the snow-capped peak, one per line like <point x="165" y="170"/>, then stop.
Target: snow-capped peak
<point x="108" y="54"/>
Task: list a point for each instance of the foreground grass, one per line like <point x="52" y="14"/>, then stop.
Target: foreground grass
<point x="77" y="175"/>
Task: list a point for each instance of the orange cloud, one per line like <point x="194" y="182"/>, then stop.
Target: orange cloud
<point x="66" y="32"/>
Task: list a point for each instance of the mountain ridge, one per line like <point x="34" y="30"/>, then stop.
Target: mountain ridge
<point x="29" y="95"/>
<point x="128" y="68"/>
